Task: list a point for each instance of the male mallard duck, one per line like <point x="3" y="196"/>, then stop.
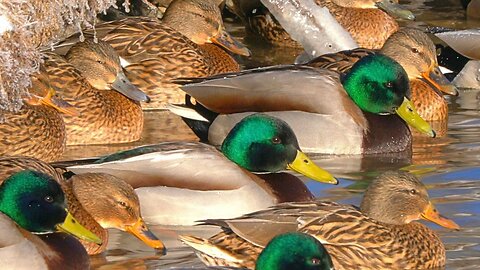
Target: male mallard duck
<point x="364" y="20"/>
<point x="34" y="224"/>
<point x="381" y="235"/>
<point x="98" y="201"/>
<point x="290" y="251"/>
<point x="329" y="112"/>
<point x="37" y="130"/>
<point x="166" y="172"/>
<point x="154" y="52"/>
<point x="92" y="79"/>
<point x="415" y="52"/>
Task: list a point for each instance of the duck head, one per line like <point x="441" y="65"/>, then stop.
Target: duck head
<point x="400" y="198"/>
<point x="100" y="65"/>
<point x="261" y="143"/>
<point x="294" y="251"/>
<point x="378" y="84"/>
<point x="36" y="203"/>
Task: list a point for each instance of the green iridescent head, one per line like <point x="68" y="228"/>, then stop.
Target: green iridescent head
<point x="36" y="203"/>
<point x="261" y="143"/>
<point x="379" y="85"/>
<point x="294" y="251"/>
<point x="33" y="200"/>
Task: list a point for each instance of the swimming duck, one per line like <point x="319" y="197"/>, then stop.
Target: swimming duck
<point x="115" y="204"/>
<point x="34" y="225"/>
<point x="415" y="52"/>
<point x="155" y="52"/>
<point x="37" y="129"/>
<point x="353" y="113"/>
<point x="364" y="20"/>
<point x="165" y="173"/>
<point x="382" y="234"/>
<point x="90" y="78"/>
<point x="289" y="251"/>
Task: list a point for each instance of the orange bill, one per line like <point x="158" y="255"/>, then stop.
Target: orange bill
<point x="226" y="41"/>
<point x="431" y="214"/>
<point x="141" y="231"/>
<point x="437" y="80"/>
<point x="55" y="102"/>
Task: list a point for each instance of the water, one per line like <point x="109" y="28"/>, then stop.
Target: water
<point x="448" y="166"/>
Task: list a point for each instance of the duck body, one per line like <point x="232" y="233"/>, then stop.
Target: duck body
<point x="318" y="106"/>
<point x="78" y="191"/>
<point x="163" y="173"/>
<point x="34" y="131"/>
<point x="369" y="26"/>
<point x="382" y="234"/>
<point x="154" y="53"/>
<point x="105" y="116"/>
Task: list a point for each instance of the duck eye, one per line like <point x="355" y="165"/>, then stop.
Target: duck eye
<point x="413" y="192"/>
<point x="414" y="50"/>
<point x="315" y="261"/>
<point x="124" y="204"/>
<point x="48" y="199"/>
<point x="389" y="84"/>
<point x="100" y="61"/>
<point x="276" y="140"/>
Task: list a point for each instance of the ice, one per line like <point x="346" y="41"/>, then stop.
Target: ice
<point x="466" y="42"/>
<point x="311" y="25"/>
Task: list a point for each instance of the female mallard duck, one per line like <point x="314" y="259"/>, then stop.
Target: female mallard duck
<point x="37" y="130"/>
<point x="166" y="172"/>
<point x="367" y="24"/>
<point x="329" y="112"/>
<point x="34" y="224"/>
<point x="154" y="52"/>
<point x="415" y="52"/>
<point x="115" y="204"/>
<point x="381" y="235"/>
<point x="92" y="79"/>
<point x="290" y="251"/>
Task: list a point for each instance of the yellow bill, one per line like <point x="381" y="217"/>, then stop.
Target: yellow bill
<point x="225" y="40"/>
<point x="73" y="227"/>
<point x="141" y="231"/>
<point x="431" y="214"/>
<point x="437" y="80"/>
<point x="302" y="164"/>
<point x="408" y="113"/>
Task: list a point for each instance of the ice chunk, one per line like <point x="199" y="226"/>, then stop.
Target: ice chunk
<point x="311" y="25"/>
<point x="466" y="42"/>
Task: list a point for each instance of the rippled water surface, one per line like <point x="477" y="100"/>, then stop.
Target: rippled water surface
<point x="449" y="166"/>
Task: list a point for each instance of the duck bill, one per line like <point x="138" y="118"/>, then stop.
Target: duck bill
<point x="141" y="231"/>
<point x="123" y="85"/>
<point x="408" y="113"/>
<point x="395" y="10"/>
<point x="226" y="41"/>
<point x="302" y="164"/>
<point x="431" y="214"/>
<point x="73" y="227"/>
<point x="57" y="103"/>
<point x="437" y="80"/>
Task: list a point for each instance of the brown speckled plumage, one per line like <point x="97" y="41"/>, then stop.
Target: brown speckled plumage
<point x="354" y="239"/>
<point x="105" y="116"/>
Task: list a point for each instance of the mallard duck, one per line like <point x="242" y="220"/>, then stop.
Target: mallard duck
<point x="155" y="52"/>
<point x="364" y="20"/>
<point x="382" y="234"/>
<point x="164" y="173"/>
<point x="34" y="224"/>
<point x="353" y="113"/>
<point x="98" y="201"/>
<point x="466" y="43"/>
<point x="415" y="52"/>
<point x="37" y="130"/>
<point x="289" y="251"/>
<point x="91" y="78"/>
